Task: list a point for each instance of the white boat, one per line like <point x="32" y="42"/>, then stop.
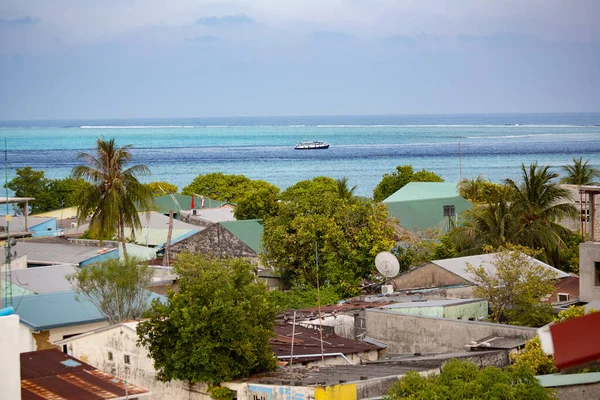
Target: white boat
<point x="312" y="145"/>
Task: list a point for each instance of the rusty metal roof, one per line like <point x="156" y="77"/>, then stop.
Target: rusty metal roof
<point x="52" y="374"/>
<point x="308" y="341"/>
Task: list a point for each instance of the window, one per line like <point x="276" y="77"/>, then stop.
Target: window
<point x="127" y="360"/>
<point x="110" y="356"/>
<point x="563" y="297"/>
<point x="597" y="273"/>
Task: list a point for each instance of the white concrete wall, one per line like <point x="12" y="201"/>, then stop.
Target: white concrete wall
<point x="589" y="254"/>
<point x="120" y="341"/>
<point x="10" y="367"/>
<point x="343" y="324"/>
<point x="28" y="342"/>
<point x="18" y="263"/>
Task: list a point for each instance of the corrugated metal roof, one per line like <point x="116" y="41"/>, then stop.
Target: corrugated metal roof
<point x="248" y="231"/>
<point x="458" y="265"/>
<point x="556" y="380"/>
<point x="165" y="203"/>
<point x="53" y="310"/>
<point x="52" y="374"/>
<point x="308" y="341"/>
<point x="55" y="253"/>
<point x="424" y="191"/>
<point x="17" y="291"/>
<point x="17" y="224"/>
<point x="44" y="279"/>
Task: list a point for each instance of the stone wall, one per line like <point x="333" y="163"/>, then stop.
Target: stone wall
<point x="579" y="392"/>
<point x="405" y="333"/>
<point x="214" y="240"/>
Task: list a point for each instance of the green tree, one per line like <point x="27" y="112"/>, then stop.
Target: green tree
<point x="115" y="193"/>
<point x="347" y="236"/>
<point x="345" y="192"/>
<point x="303" y="297"/>
<point x="225" y="187"/>
<point x="160" y="188"/>
<point x="257" y="203"/>
<point x="216" y="329"/>
<point x="415" y="249"/>
<point x="116" y="288"/>
<point x="514" y="285"/>
<point x="580" y="173"/>
<point x="463" y="380"/>
<point x="478" y="190"/>
<point x="397" y="179"/>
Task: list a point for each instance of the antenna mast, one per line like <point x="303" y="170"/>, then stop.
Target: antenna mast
<point x="8" y="296"/>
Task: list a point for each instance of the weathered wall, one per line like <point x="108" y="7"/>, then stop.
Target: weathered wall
<point x="250" y="391"/>
<point x="427" y="276"/>
<point x="215" y="240"/>
<point x="18" y="263"/>
<point x="343" y="324"/>
<point x="405" y="333"/>
<point x="41" y="340"/>
<point x="121" y="341"/>
<point x="10" y="367"/>
<point x="579" y="392"/>
<point x="575" y="223"/>
<point x="589" y="253"/>
<point x="476" y="310"/>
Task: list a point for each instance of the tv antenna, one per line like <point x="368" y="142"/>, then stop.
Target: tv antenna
<point x="387" y="264"/>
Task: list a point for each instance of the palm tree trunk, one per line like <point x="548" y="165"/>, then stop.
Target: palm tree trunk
<point x="122" y="234"/>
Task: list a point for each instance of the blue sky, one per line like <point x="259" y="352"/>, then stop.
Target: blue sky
<point x="65" y="59"/>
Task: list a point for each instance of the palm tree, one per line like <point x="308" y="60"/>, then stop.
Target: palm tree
<point x="580" y="173"/>
<point x="344" y="192"/>
<point x="115" y="194"/>
<point x="470" y="189"/>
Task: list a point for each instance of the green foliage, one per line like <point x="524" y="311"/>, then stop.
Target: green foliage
<point x="478" y="190"/>
<point x="344" y="192"/>
<point x="49" y="194"/>
<point x="444" y="249"/>
<point x="525" y="214"/>
<point x="303" y="297"/>
<point x="413" y="250"/>
<point x="216" y="329"/>
<point x="397" y="179"/>
<point x="160" y="188"/>
<point x="569" y="258"/>
<point x="116" y="287"/>
<point x="463" y="380"/>
<point x="580" y="173"/>
<point x="257" y="203"/>
<point x="221" y="393"/>
<point x="225" y="187"/>
<point x="514" y="287"/>
<point x="115" y="192"/>
<point x="348" y="236"/>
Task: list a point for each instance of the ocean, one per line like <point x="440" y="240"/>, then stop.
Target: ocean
<point x="363" y="148"/>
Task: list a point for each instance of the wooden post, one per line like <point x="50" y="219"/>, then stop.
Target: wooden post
<point x="592" y="215"/>
<point x="168" y="243"/>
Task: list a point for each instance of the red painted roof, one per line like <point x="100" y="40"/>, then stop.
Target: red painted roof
<point x="569" y="285"/>
<point x="576" y="341"/>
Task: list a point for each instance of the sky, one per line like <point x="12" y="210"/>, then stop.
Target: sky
<point x="90" y="59"/>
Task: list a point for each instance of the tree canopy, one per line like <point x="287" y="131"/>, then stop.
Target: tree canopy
<point x="313" y="218"/>
<point x="514" y="287"/>
<point x="463" y="380"/>
<point x="479" y="190"/>
<point x="397" y="179"/>
<point x="49" y="194"/>
<point x="160" y="188"/>
<point x="580" y="173"/>
<point x="257" y="203"/>
<point x="216" y="329"/>
<point x="225" y="187"/>
<point x="116" y="288"/>
<point x="115" y="193"/>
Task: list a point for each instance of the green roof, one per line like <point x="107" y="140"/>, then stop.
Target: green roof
<point x="424" y="191"/>
<point x="248" y="231"/>
<point x="17" y="291"/>
<point x="555" y="380"/>
<point x="418" y="215"/>
<point x="165" y="203"/>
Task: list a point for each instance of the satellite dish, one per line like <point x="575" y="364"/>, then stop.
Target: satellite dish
<point x="387" y="264"/>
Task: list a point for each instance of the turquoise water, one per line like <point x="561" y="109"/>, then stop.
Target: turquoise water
<point x="362" y="148"/>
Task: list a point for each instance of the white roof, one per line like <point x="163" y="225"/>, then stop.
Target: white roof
<point x="215" y="215"/>
<point x="44" y="279"/>
<point x="458" y="265"/>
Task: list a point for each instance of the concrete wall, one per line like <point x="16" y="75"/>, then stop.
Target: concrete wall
<point x="47" y="228"/>
<point x="575" y="223"/>
<point x="578" y="392"/>
<point x="10" y="367"/>
<point x="589" y="253"/>
<point x="427" y="276"/>
<point x="405" y="333"/>
<point x="343" y="324"/>
<point x="41" y="340"/>
<point x="214" y="240"/>
<point x="121" y="341"/>
<point x="475" y="310"/>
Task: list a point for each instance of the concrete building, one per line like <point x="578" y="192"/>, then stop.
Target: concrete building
<point x="225" y="239"/>
<point x="207" y="216"/>
<point x="467" y="309"/>
<point x="452" y="274"/>
<point x="586" y="200"/>
<point x="589" y="271"/>
<point x="57" y="251"/>
<point x="421" y="205"/>
<point x="10" y="367"/>
<point x="37" y="226"/>
<point x="181" y="202"/>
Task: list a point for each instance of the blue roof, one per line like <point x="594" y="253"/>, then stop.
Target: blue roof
<point x="55" y="310"/>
